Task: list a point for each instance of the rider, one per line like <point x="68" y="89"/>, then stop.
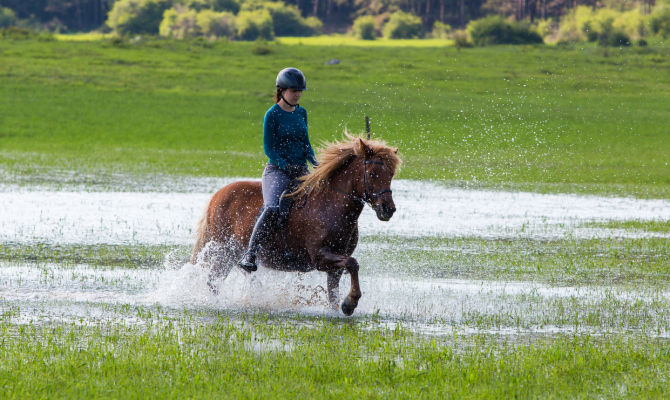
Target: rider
<point x="286" y="143"/>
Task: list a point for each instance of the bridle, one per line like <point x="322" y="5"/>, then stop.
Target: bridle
<point x="366" y="198"/>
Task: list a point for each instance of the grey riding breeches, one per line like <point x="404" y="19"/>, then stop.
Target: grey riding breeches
<point x="275" y="181"/>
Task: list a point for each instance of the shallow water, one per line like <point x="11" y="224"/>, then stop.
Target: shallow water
<point x="90" y="295"/>
<point x="424" y="209"/>
<point x="85" y="294"/>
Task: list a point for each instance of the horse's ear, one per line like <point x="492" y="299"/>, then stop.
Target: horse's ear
<point x="366" y="150"/>
<point x="395" y="151"/>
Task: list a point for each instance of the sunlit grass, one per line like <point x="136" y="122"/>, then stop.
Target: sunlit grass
<point x="348" y="40"/>
<point x="82" y="37"/>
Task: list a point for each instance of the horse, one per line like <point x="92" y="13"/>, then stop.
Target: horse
<point x="321" y="229"/>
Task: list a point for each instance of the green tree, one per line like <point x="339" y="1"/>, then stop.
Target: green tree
<point x="137" y="16"/>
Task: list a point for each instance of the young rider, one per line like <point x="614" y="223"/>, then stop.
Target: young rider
<point x="286" y="143"/>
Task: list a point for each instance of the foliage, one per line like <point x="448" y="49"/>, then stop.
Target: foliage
<point x="364" y="27"/>
<point x="179" y="23"/>
<point x="7" y="17"/>
<point x="632" y="23"/>
<point x="216" y="24"/>
<point x="402" y="25"/>
<point x="545" y="28"/>
<point x="18" y="33"/>
<point x="137" y="16"/>
<point x="252" y="25"/>
<point x="659" y="20"/>
<point x="441" y="30"/>
<point x="498" y="30"/>
<point x="461" y="39"/>
<point x="287" y="20"/>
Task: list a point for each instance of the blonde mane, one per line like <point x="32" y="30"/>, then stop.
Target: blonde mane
<point x="336" y="155"/>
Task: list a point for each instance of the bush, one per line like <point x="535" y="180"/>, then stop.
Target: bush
<point x="364" y="27"/>
<point x="218" y="24"/>
<point x="659" y="21"/>
<point x="137" y="16"/>
<point x="497" y="30"/>
<point x="461" y="39"/>
<point x="7" y="17"/>
<point x="633" y="23"/>
<point x="179" y="23"/>
<point x="546" y="28"/>
<point x="609" y="36"/>
<point x="441" y="30"/>
<point x="252" y="25"/>
<point x="575" y="26"/>
<point x="288" y="21"/>
<point x="403" y="25"/>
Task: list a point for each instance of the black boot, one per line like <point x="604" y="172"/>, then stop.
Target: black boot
<point x="265" y="225"/>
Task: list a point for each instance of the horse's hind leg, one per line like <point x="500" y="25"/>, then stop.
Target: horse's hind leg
<point x="220" y="265"/>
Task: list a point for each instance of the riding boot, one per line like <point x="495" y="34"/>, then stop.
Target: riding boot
<point x="265" y="225"/>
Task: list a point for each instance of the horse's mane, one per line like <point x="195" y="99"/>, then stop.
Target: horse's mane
<point x="336" y="155"/>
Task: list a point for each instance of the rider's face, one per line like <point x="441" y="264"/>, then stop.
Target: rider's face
<point x="292" y="95"/>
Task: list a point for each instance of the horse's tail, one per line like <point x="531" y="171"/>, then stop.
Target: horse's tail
<point x="201" y="236"/>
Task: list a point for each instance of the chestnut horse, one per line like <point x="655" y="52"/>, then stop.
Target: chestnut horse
<point x="322" y="228"/>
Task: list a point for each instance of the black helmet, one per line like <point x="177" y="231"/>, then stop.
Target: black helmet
<point x="291" y="78"/>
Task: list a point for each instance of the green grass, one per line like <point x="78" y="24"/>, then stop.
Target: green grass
<point x="620" y="262"/>
<point x="550" y="119"/>
<point x="532" y="118"/>
<point x="222" y="359"/>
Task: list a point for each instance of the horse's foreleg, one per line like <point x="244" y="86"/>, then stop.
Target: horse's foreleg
<point x="333" y="263"/>
<point x="351" y="301"/>
<point x="333" y="287"/>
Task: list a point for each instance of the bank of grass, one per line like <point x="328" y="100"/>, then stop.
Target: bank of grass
<point x="347" y="40"/>
<point x="533" y="118"/>
<point x="573" y="262"/>
<point x="332" y="358"/>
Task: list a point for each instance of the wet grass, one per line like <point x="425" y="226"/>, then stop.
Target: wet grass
<point x="556" y="262"/>
<point x="95" y="255"/>
<point x="532" y="118"/>
<point x="332" y="358"/>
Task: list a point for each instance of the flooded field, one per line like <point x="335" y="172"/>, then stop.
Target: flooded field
<point x="430" y="269"/>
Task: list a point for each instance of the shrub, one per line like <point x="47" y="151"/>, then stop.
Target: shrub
<point x="364" y="27"/>
<point x="137" y="16"/>
<point x="179" y="23"/>
<point x="497" y="30"/>
<point x="441" y="30"/>
<point x="659" y="21"/>
<point x="403" y="25"/>
<point x="7" y="17"/>
<point x="461" y="39"/>
<point x="609" y="36"/>
<point x="633" y="23"/>
<point x="218" y="24"/>
<point x="546" y="28"/>
<point x="287" y="20"/>
<point x="575" y="26"/>
<point x="252" y="25"/>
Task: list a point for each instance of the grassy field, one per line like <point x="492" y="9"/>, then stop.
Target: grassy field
<point x="565" y="317"/>
<point x="586" y="120"/>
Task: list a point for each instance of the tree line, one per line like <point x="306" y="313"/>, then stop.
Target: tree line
<point x="336" y="15"/>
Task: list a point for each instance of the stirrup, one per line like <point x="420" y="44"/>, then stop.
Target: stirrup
<point x="248" y="262"/>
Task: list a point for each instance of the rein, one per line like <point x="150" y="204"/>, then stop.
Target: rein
<point x="366" y="197"/>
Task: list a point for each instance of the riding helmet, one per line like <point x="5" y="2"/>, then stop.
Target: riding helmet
<point x="291" y="78"/>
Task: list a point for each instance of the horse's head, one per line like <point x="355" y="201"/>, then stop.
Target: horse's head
<point x="379" y="165"/>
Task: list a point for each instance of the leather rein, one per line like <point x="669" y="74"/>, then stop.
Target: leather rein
<point x="366" y="197"/>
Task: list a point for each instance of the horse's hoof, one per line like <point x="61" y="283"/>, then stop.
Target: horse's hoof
<point x="348" y="307"/>
<point x="213" y="289"/>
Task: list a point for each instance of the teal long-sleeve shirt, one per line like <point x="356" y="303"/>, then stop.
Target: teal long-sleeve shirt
<point x="285" y="138"/>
